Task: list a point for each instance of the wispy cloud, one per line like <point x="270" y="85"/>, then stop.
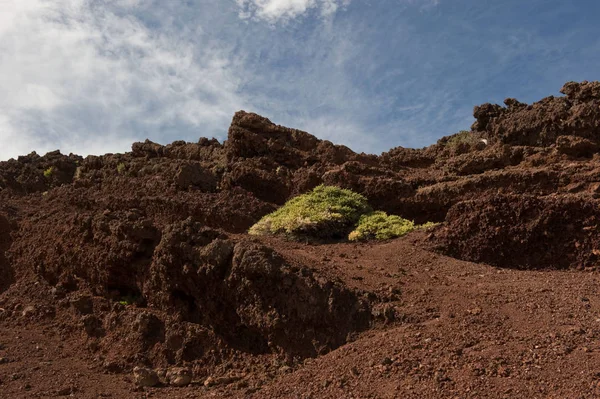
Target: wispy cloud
<point x="91" y="76"/>
<point x="82" y="74"/>
<point x="278" y="10"/>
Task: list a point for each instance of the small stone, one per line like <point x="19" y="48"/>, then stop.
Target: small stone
<point x="58" y="292"/>
<point x="475" y="311"/>
<point x="211" y="381"/>
<point x="66" y="391"/>
<point x="285" y="369"/>
<point x="179" y="376"/>
<point x="144" y="377"/>
<point x="162" y="376"/>
<point x="112" y="366"/>
<point x="387" y="361"/>
<point x="28" y="311"/>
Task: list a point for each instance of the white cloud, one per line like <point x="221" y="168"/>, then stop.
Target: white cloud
<point x="83" y="75"/>
<point x="276" y="10"/>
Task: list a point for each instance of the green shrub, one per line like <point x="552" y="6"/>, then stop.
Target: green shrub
<point x="325" y="212"/>
<point x="381" y="226"/>
<point x="129" y="300"/>
<point x="462" y="138"/>
<point x="121" y="168"/>
<point x="49" y="172"/>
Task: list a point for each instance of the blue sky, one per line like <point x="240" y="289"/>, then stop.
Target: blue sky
<point x="93" y="76"/>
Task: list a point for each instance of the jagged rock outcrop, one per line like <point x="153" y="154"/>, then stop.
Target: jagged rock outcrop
<point x="524" y="232"/>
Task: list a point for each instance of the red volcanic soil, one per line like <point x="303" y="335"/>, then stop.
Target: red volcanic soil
<point x="134" y="269"/>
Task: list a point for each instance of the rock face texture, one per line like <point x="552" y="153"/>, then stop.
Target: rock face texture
<point x="554" y="232"/>
<point x="542" y="123"/>
<point x="547" y="148"/>
<point x="143" y="253"/>
<point x="6" y="271"/>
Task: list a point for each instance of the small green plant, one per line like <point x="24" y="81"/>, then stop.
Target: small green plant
<point x="121" y="168"/>
<point x="49" y="172"/>
<point x="128" y="300"/>
<point x="381" y="226"/>
<point x="427" y="225"/>
<point x="464" y="137"/>
<point x="325" y="212"/>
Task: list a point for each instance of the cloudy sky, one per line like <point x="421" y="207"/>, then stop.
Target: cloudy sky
<point x="93" y="76"/>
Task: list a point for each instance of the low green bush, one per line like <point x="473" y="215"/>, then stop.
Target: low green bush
<point x="381" y="226"/>
<point x="464" y="138"/>
<point x="332" y="212"/>
<point x="325" y="212"/>
<point x="129" y="300"/>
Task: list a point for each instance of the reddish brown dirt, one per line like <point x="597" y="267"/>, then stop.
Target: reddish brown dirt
<point x="141" y="259"/>
<point x="444" y="329"/>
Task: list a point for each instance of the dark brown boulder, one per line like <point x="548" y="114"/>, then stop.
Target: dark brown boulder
<point x="524" y="232"/>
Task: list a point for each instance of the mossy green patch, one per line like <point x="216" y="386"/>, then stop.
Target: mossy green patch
<point x="381" y="226"/>
<point x="462" y="138"/>
<point x="129" y="300"/>
<point x="49" y="172"/>
<point x="325" y="212"/>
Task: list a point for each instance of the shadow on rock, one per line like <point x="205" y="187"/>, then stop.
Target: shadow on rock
<point x="6" y="271"/>
<point x="249" y="295"/>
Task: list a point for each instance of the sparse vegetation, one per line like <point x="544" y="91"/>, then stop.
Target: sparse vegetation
<point x="464" y="137"/>
<point x="331" y="212"/>
<point x="427" y="225"/>
<point x="49" y="172"/>
<point x="121" y="168"/>
<point x="129" y="300"/>
<point x="381" y="226"/>
<point x="325" y="212"/>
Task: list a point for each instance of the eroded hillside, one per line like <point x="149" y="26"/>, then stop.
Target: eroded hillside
<point x="141" y="259"/>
